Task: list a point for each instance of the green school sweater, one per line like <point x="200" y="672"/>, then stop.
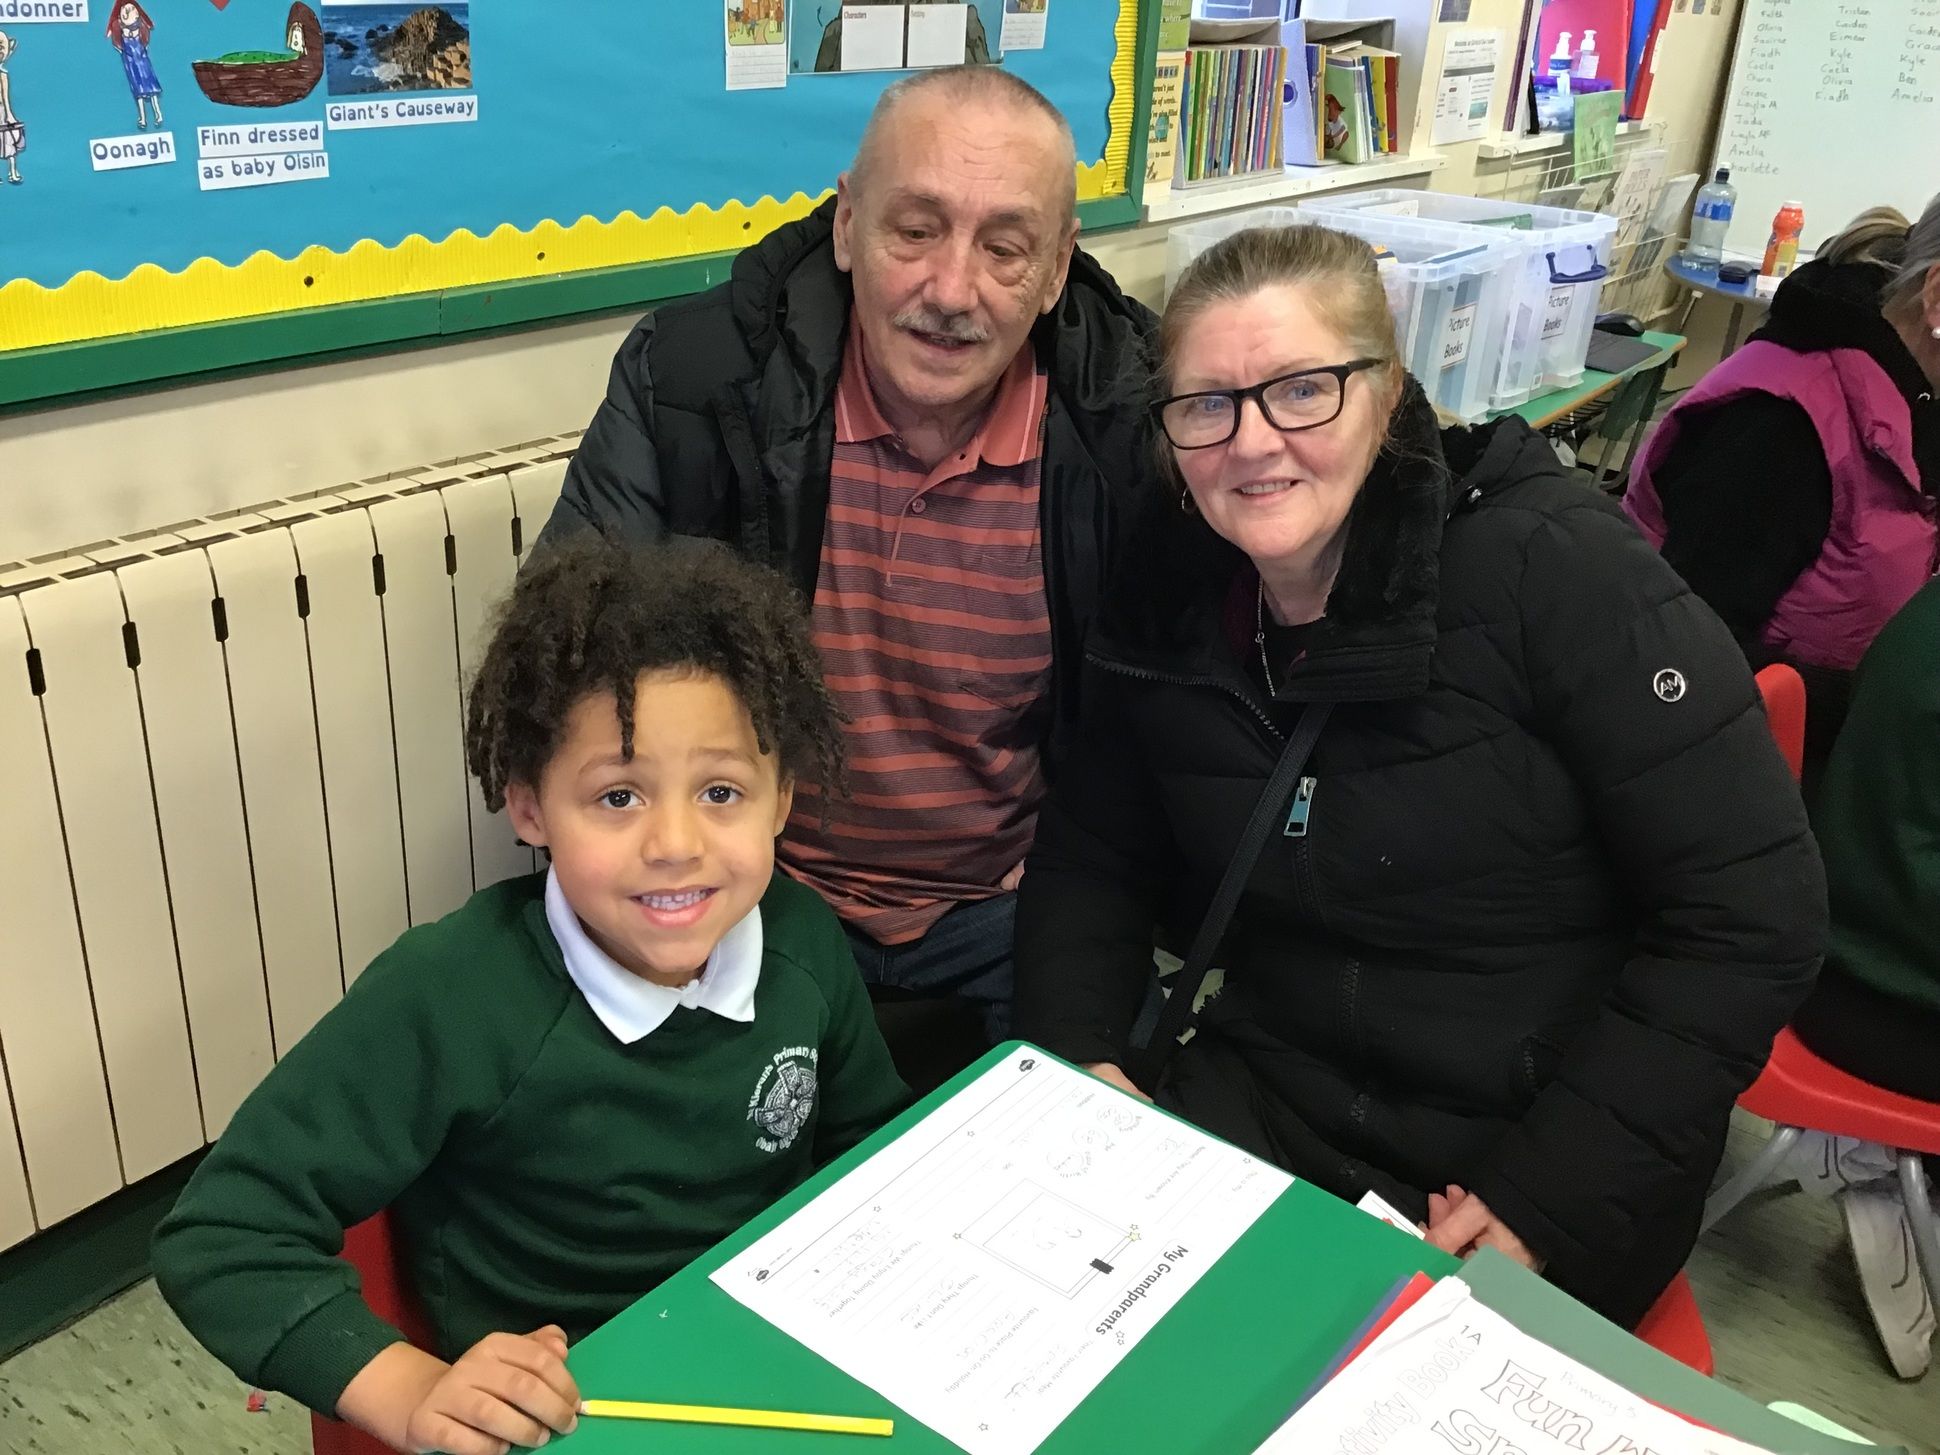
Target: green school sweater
<point x="538" y="1170"/>
<point x="1878" y="816"/>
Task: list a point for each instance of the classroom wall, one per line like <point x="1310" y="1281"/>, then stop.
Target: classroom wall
<point x="86" y="472"/>
<point x="1460" y="160"/>
<point x="93" y="471"/>
<point x="80" y="474"/>
<point x="1693" y="74"/>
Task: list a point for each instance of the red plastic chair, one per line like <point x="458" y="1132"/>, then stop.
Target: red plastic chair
<point x="1674" y="1327"/>
<point x="1798" y="1092"/>
<point x="1784" y="693"/>
<point x="372" y="1250"/>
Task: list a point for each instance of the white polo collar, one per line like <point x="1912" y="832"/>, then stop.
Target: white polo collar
<point x="633" y="1007"/>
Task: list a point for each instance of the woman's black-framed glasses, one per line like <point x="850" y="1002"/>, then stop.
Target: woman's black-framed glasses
<point x="1304" y="399"/>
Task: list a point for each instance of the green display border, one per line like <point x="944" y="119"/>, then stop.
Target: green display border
<point x="63" y="374"/>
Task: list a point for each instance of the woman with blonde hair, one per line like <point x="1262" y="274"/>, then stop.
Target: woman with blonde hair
<point x="1473" y="797"/>
<point x="1794" y="487"/>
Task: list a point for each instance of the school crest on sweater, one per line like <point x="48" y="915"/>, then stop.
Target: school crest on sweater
<point x="784" y="1098"/>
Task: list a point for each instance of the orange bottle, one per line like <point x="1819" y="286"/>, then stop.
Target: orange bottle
<point x="1782" y="252"/>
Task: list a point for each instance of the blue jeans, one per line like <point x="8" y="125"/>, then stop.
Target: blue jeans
<point x="966" y="956"/>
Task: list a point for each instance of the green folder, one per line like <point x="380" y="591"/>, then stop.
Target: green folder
<point x="1215" y="1376"/>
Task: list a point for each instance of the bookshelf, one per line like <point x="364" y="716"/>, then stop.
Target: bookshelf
<point x="1261" y="190"/>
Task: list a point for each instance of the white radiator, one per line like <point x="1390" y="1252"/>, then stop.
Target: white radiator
<point x="231" y="772"/>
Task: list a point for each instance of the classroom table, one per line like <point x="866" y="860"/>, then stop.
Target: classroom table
<point x="1702" y="278"/>
<point x="1642" y="383"/>
<point x="1257" y="1328"/>
<point x="1215" y="1376"/>
<point x="1544" y="410"/>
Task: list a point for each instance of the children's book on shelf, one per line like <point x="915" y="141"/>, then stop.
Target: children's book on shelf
<point x="1162" y="140"/>
<point x="1232" y="111"/>
<point x="1318" y="132"/>
<point x="1362" y="112"/>
<point x="1347" y="134"/>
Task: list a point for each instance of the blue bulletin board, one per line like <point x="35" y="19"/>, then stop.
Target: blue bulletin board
<point x="184" y="162"/>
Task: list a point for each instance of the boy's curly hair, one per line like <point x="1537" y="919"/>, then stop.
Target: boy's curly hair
<point x="590" y="616"/>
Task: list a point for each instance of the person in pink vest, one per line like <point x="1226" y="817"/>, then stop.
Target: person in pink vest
<point x="1793" y="488"/>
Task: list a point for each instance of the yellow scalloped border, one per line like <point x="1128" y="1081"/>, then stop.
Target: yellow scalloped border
<point x="89" y="306"/>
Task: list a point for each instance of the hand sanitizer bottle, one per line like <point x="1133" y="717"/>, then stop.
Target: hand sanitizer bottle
<point x="1586" y="59"/>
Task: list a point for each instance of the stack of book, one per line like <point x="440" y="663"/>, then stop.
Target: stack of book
<point x="1345" y="103"/>
<point x="1232" y="119"/>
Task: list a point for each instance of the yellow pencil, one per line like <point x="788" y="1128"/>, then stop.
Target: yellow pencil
<point x="701" y="1414"/>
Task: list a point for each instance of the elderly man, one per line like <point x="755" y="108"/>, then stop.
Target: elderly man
<point x="921" y="404"/>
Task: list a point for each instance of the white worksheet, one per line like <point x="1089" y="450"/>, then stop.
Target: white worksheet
<point x="939" y="35"/>
<point x="989" y="1267"/>
<point x="872" y="37"/>
<point x="1453" y="1377"/>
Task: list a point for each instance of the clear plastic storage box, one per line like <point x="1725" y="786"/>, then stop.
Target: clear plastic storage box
<point x="1566" y="257"/>
<point x="1448" y="287"/>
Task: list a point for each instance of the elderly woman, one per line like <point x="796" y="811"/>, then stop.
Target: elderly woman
<point x="1794" y="487"/>
<point x="1543" y="893"/>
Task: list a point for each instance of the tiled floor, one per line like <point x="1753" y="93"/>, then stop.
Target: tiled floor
<point x="127" y="1380"/>
<point x="1775" y="1283"/>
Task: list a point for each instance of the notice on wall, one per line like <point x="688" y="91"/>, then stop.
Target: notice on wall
<point x="42" y="12"/>
<point x="405" y="111"/>
<point x="757" y="45"/>
<point x="144" y="149"/>
<point x="1466" y="88"/>
<point x="260" y="154"/>
<point x="1024" y="24"/>
<point x="938" y="35"/>
<point x="872" y="37"/>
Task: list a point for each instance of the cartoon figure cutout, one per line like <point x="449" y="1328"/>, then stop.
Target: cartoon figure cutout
<point x="13" y="132"/>
<point x="129" y="31"/>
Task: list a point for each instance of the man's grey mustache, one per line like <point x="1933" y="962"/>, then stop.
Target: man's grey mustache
<point x="952" y="326"/>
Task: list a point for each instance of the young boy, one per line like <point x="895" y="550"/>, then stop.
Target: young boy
<point x="583" y="1079"/>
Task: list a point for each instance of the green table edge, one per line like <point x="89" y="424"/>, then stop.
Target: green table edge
<point x="1545" y="408"/>
<point x="1189" y="1346"/>
<point x="1179" y="1391"/>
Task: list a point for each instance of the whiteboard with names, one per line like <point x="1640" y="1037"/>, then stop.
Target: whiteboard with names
<point x="1835" y="104"/>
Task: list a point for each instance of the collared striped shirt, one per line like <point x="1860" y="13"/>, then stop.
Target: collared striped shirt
<point x="931" y="618"/>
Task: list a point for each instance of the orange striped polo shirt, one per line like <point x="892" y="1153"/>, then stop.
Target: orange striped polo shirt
<point x="936" y="639"/>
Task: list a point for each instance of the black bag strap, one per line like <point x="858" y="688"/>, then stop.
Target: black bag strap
<point x="1270" y="812"/>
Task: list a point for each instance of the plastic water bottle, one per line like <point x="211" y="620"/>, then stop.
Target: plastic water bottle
<point x="1711" y="220"/>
